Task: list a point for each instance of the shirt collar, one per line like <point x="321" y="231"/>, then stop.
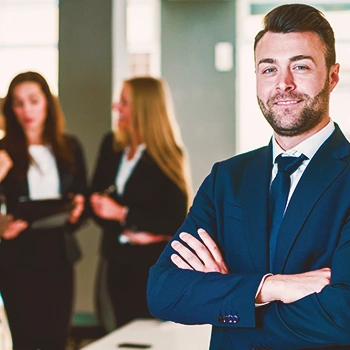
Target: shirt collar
<point x="307" y="147"/>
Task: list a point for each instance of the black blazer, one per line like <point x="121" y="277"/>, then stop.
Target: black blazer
<point x="155" y="203"/>
<point x="43" y="248"/>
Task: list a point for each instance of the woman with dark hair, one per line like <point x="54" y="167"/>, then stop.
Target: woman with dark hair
<point x="39" y="161"/>
<point x="141" y="187"/>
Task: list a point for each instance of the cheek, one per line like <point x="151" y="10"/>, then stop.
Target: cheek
<point x="41" y="111"/>
<point x="18" y="114"/>
<point x="128" y="116"/>
<point x="263" y="89"/>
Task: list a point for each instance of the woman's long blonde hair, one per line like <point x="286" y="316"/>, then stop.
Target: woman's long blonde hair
<point x="154" y="121"/>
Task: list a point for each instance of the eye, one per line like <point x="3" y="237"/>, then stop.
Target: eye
<point x="300" y="67"/>
<point x="269" y="70"/>
<point x="17" y="104"/>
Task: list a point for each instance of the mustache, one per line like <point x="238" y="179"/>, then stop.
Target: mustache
<point x="287" y="96"/>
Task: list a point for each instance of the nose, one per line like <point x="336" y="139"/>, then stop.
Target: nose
<point x="26" y="108"/>
<point x="285" y="81"/>
<point x="115" y="106"/>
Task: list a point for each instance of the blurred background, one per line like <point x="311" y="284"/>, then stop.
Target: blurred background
<point x="204" y="49"/>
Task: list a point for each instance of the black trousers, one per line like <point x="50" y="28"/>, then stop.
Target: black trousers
<point x="38" y="304"/>
<point x="127" y="289"/>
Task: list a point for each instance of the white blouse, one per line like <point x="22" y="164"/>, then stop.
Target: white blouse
<point x="126" y="167"/>
<point x="43" y="177"/>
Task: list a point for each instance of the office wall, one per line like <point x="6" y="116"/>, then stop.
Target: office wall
<point x="204" y="98"/>
<point x="85" y="90"/>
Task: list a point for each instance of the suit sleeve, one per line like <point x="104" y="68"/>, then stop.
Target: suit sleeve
<point x="98" y="181"/>
<point x="80" y="181"/>
<point x="318" y="319"/>
<point x="102" y="178"/>
<point x="193" y="297"/>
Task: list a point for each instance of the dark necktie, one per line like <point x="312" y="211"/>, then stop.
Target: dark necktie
<point x="278" y="196"/>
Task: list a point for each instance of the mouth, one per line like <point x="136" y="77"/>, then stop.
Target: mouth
<point x="287" y="102"/>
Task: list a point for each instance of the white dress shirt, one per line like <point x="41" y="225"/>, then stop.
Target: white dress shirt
<point x="307" y="147"/>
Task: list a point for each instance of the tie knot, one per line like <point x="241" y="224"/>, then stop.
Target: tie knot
<point x="289" y="164"/>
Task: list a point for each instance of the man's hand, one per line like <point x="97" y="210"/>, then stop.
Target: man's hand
<point x="290" y="288"/>
<point x="208" y="257"/>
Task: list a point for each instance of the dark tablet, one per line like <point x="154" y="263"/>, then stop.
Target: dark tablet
<point x="45" y="212"/>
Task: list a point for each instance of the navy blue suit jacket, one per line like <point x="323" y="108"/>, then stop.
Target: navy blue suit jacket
<point x="232" y="205"/>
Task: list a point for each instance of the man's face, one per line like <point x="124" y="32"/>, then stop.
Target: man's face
<point x="293" y="82"/>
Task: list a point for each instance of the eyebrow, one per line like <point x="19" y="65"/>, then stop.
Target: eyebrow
<point x="292" y="59"/>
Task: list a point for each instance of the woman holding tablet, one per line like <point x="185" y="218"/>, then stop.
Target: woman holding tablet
<point x="39" y="161"/>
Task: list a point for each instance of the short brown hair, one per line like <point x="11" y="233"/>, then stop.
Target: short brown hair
<point x="300" y="18"/>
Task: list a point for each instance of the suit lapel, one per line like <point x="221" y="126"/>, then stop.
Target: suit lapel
<point x="255" y="192"/>
<point x="321" y="172"/>
<point x="23" y="188"/>
<point x="66" y="180"/>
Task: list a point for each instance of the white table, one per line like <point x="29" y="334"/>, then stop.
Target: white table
<point x="160" y="335"/>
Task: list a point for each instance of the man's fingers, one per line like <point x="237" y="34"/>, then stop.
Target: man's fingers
<point x="188" y="256"/>
<point x="200" y="249"/>
<point x="180" y="263"/>
<point x="210" y="244"/>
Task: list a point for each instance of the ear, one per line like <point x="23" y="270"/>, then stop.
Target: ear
<point x="333" y="76"/>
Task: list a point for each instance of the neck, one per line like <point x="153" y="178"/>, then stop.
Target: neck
<point x="132" y="150"/>
<point x="289" y="142"/>
<point x="34" y="138"/>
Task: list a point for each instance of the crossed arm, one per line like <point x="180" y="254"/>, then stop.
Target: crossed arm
<point x="208" y="258"/>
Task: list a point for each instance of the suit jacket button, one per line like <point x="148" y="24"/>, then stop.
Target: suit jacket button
<point x="220" y="319"/>
<point x="235" y="319"/>
<point x="230" y="318"/>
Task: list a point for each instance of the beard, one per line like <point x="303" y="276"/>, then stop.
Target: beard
<point x="289" y="123"/>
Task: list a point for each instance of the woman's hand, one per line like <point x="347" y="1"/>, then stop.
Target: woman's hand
<point x="106" y="208"/>
<point x="79" y="204"/>
<point x="14" y="228"/>
<point x="5" y="164"/>
<point x="144" y="238"/>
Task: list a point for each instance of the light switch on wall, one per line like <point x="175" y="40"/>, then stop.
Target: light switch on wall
<point x="223" y="56"/>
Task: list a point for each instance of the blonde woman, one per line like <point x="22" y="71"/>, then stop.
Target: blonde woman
<point x="140" y="191"/>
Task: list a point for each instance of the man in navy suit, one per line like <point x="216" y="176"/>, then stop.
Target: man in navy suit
<point x="262" y="290"/>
